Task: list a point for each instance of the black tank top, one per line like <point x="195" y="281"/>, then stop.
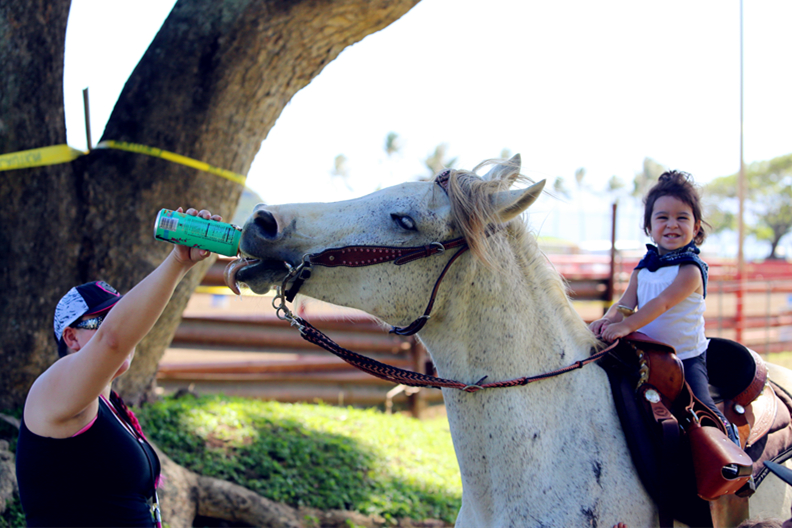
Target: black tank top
<point x="101" y="477"/>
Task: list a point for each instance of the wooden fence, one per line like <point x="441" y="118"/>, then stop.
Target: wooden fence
<point x="261" y="356"/>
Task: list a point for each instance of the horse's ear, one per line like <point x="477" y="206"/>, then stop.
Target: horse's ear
<point x="508" y="170"/>
<point x="509" y="204"/>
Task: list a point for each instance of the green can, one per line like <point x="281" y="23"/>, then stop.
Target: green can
<point x="194" y="231"/>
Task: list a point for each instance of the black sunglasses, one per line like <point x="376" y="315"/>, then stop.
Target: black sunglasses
<point x="89" y="324"/>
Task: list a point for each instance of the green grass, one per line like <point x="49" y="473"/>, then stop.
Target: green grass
<point x="314" y="455"/>
<point x="782" y="359"/>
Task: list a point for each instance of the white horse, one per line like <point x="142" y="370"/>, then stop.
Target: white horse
<point x="548" y="454"/>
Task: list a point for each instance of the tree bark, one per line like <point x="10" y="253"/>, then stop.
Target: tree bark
<point x="210" y="86"/>
<point x="8" y="483"/>
<point x="36" y="203"/>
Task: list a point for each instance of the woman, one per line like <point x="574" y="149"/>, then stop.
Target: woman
<point x="82" y="459"/>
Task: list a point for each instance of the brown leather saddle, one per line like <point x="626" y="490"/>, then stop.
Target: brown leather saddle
<point x="679" y="446"/>
<point x="739" y="385"/>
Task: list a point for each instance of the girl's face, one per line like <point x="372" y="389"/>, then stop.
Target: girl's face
<point x="673" y="224"/>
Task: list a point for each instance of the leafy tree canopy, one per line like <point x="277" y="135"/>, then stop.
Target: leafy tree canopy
<point x="768" y="199"/>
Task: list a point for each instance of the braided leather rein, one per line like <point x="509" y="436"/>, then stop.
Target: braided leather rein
<point x="357" y="256"/>
<point x="416" y="379"/>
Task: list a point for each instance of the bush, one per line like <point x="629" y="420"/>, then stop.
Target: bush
<point x="13" y="516"/>
<point x="314" y="455"/>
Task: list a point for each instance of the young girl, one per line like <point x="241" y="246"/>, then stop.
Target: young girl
<point x="669" y="284"/>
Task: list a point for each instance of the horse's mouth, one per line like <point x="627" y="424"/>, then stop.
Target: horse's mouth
<point x="258" y="274"/>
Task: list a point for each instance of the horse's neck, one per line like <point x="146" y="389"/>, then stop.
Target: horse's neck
<point x="502" y="329"/>
<point x="500" y="435"/>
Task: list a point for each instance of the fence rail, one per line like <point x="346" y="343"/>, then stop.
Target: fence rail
<point x="272" y="361"/>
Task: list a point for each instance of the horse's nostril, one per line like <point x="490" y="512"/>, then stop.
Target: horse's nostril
<point x="266" y="223"/>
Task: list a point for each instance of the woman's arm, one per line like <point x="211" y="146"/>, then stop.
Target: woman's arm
<point x="629" y="299"/>
<point x="72" y="384"/>
<point x="687" y="281"/>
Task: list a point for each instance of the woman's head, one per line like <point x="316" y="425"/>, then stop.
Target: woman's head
<point x="679" y="185"/>
<point x="77" y="309"/>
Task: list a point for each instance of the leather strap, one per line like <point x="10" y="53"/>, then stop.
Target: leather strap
<point x="359" y="256"/>
<point x="669" y="450"/>
<point x="416" y="379"/>
<point x="419" y="323"/>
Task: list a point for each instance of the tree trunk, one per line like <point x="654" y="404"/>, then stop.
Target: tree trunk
<point x="210" y="86"/>
<point x="38" y="217"/>
<point x="8" y="483"/>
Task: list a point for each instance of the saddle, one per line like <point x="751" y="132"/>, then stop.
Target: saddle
<point x="678" y="445"/>
<point x="738" y="384"/>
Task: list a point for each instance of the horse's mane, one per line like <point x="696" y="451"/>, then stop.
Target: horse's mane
<point x="514" y="249"/>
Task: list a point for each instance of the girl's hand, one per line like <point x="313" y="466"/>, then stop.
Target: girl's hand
<point x="614" y="331"/>
<point x="599" y="325"/>
<point x="190" y="256"/>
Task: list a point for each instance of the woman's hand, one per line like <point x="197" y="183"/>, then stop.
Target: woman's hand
<point x="188" y="256"/>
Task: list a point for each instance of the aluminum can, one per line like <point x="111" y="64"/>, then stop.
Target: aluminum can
<point x="194" y="231"/>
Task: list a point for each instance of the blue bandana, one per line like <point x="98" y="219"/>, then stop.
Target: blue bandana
<point x="685" y="255"/>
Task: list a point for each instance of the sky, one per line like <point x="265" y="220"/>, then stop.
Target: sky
<point x="567" y="84"/>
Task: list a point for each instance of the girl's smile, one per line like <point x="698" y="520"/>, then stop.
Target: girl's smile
<point x="673" y="224"/>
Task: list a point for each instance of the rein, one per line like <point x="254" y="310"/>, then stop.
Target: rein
<point x="358" y="256"/>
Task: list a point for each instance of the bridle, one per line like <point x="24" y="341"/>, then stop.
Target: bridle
<point x="359" y="256"/>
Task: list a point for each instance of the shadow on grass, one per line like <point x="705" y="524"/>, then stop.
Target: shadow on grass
<point x="321" y="459"/>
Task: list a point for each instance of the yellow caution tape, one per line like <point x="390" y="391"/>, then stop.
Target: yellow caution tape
<point x="63" y="154"/>
<point x="39" y="157"/>
<point x="176" y="158"/>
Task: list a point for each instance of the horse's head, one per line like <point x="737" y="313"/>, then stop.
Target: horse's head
<point x="416" y="214"/>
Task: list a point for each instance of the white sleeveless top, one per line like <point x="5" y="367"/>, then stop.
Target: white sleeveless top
<point x="683" y="325"/>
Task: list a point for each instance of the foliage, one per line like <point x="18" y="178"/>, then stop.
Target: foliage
<point x="579" y="175"/>
<point x="438" y="160"/>
<point x="768" y="199"/>
<point x="615" y="184"/>
<point x="314" y="455"/>
<point x="392" y="144"/>
<point x="7" y="431"/>
<point x="559" y="187"/>
<point x="13" y="516"/>
<point x="648" y="176"/>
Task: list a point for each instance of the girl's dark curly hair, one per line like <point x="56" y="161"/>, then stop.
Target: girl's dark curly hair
<point x="680" y="185"/>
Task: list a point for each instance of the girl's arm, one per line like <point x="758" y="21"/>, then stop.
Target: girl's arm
<point x="73" y="383"/>
<point x="687" y="281"/>
<point x="628" y="299"/>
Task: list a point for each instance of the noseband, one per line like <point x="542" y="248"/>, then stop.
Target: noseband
<point x="359" y="256"/>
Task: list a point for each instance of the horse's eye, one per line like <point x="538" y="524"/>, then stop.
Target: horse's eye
<point x="405" y="222"/>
